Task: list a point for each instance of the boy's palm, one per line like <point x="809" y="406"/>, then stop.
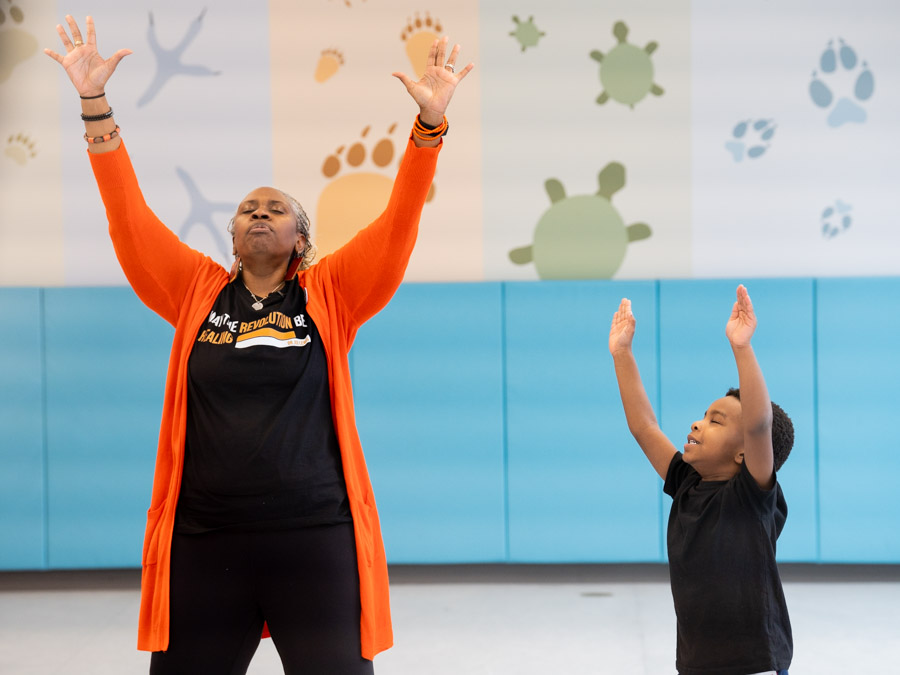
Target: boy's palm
<point x="742" y="322"/>
<point x="621" y="332"/>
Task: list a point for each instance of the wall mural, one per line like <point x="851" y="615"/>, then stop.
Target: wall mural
<point x="583" y="236"/>
<point x="626" y="71"/>
<point x="725" y="155"/>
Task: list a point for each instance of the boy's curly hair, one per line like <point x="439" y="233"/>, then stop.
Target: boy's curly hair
<point x="782" y="431"/>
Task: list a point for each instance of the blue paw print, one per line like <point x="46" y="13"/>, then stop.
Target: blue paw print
<point x="836" y="65"/>
<point x="836" y="219"/>
<point x="752" y="144"/>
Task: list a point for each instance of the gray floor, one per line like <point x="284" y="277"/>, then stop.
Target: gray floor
<point x="478" y="620"/>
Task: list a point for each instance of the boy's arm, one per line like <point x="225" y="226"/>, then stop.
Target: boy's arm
<point x="756" y="408"/>
<point x="638" y="412"/>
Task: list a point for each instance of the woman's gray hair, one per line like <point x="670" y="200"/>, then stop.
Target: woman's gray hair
<point x="309" y="251"/>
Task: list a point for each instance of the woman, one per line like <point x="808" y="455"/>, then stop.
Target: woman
<point x="262" y="518"/>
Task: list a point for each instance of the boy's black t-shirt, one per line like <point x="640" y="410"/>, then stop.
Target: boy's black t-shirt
<point x="732" y="616"/>
<point x="260" y="450"/>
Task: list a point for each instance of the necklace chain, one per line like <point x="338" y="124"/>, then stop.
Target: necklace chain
<point x="258" y="305"/>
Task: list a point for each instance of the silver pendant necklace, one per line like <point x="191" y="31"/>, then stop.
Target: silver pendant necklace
<point x="258" y="304"/>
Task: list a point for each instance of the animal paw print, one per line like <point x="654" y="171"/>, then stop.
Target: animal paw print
<point x="15" y="44"/>
<point x="329" y="62"/>
<point x="839" y="69"/>
<point x="419" y="34"/>
<point x="526" y="32"/>
<point x="20" y="149"/>
<point x="351" y="201"/>
<point x="752" y="144"/>
<point x="836" y="219"/>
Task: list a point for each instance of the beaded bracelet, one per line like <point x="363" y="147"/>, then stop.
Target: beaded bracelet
<point x="89" y="98"/>
<point x="102" y="139"/>
<point x="97" y="118"/>
<point x="426" y="132"/>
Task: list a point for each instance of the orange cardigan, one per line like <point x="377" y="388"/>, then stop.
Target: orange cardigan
<point x="345" y="289"/>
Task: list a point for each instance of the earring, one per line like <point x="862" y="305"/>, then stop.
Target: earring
<point x="293" y="265"/>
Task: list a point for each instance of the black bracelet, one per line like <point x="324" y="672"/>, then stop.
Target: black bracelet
<point x="88" y="98"/>
<point x="430" y="127"/>
<point x="97" y="118"/>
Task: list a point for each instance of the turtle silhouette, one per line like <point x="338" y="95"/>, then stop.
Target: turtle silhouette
<point x="526" y="32"/>
<point x="626" y="72"/>
<point x="583" y="236"/>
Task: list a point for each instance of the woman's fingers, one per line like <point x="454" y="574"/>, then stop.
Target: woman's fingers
<point x="91" y="31"/>
<point x="77" y="40"/>
<point x="64" y="37"/>
<point x="451" y="60"/>
<point x="441" y="51"/>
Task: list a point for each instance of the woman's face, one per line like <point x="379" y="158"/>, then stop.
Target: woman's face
<point x="265" y="227"/>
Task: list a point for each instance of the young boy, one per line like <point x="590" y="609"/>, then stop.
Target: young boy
<point x="727" y="510"/>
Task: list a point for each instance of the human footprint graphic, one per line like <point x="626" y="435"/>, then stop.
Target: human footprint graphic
<point x="419" y="34"/>
<point x="329" y="62"/>
<point x="20" y="149"/>
<point x="15" y="44"/>
<point x="841" y="70"/>
<point x="750" y="138"/>
<point x="354" y="199"/>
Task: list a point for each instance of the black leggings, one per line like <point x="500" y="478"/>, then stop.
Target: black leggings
<point x="224" y="585"/>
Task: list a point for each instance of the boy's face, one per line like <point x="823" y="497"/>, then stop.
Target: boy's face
<point x="715" y="446"/>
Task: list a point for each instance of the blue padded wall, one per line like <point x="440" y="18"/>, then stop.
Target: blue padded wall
<point x="22" y="470"/>
<point x="106" y="357"/>
<point x="580" y="489"/>
<point x="859" y="451"/>
<point x="489" y="414"/>
<point x="697" y="367"/>
<point x="428" y="390"/>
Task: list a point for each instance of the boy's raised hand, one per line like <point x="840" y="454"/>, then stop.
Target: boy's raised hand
<point x="742" y="323"/>
<point x="621" y="332"/>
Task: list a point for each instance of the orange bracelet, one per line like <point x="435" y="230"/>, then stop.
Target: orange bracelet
<point x="426" y="134"/>
<point x="102" y="139"/>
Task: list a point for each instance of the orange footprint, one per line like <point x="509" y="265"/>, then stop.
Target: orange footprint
<point x="329" y="62"/>
<point x="351" y="201"/>
<point x="419" y="34"/>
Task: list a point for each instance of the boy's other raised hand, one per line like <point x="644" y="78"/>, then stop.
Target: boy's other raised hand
<point x="621" y="332"/>
<point x="742" y="323"/>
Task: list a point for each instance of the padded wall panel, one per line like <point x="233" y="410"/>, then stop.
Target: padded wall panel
<point x="428" y="389"/>
<point x="697" y="367"/>
<point x="859" y="400"/>
<point x="580" y="489"/>
<point x="22" y="534"/>
<point x="106" y="358"/>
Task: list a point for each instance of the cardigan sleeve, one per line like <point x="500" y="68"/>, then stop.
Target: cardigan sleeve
<point x="159" y="267"/>
<point x="367" y="270"/>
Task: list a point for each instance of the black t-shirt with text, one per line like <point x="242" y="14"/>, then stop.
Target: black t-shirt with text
<point x="732" y="616"/>
<point x="261" y="450"/>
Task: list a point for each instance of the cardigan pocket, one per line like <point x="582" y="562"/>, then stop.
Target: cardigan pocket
<point x="151" y="535"/>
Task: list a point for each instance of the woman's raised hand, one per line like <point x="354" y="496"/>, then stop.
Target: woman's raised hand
<point x="88" y="70"/>
<point x="434" y="91"/>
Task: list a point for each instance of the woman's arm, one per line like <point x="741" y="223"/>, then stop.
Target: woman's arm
<point x="368" y="269"/>
<point x="158" y="266"/>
